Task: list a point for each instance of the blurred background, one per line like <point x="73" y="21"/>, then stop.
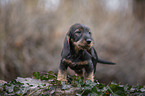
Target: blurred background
<point x="32" y="34"/>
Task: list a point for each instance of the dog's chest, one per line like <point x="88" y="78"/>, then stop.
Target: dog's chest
<point x="77" y="61"/>
<point x="76" y="64"/>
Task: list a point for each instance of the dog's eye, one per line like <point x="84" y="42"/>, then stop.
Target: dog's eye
<point x="77" y="32"/>
<point x="90" y="33"/>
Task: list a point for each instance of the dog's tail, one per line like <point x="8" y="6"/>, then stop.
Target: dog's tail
<point x="105" y="62"/>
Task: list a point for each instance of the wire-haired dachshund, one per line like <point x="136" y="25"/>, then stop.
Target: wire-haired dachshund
<point x="78" y="53"/>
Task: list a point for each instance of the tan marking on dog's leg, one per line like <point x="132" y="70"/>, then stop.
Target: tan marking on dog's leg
<point x="62" y="76"/>
<point x="89" y="76"/>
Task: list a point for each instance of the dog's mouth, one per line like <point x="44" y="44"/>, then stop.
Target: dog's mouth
<point x="83" y="45"/>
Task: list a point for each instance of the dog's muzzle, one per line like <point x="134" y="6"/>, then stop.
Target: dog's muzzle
<point x="88" y="41"/>
<point x="84" y="44"/>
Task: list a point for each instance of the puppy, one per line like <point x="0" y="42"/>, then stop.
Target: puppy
<point x="78" y="53"/>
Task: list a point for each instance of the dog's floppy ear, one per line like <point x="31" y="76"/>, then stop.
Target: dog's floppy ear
<point x="66" y="47"/>
<point x="94" y="53"/>
<point x="94" y="57"/>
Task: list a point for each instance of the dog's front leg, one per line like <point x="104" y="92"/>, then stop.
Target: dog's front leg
<point x="62" y="72"/>
<point x="89" y="72"/>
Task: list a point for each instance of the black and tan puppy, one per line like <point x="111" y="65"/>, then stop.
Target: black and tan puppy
<point x="78" y="53"/>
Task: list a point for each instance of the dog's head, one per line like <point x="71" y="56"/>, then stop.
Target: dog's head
<point x="79" y="36"/>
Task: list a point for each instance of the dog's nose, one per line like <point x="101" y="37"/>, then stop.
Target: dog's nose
<point x="88" y="41"/>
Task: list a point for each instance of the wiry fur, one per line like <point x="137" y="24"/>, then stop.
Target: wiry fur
<point x="78" y="53"/>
